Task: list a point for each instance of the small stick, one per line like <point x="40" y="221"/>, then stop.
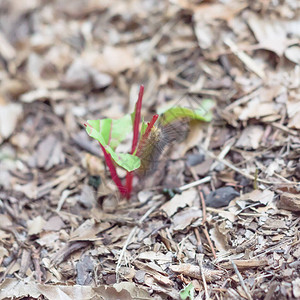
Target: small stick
<point x="204" y="220"/>
<point x="241" y="280"/>
<point x="198" y="238"/>
<point x="36" y="262"/>
<point x="204" y="225"/>
<point x="244" y="99"/>
<point x="203" y="277"/>
<point x="203" y="207"/>
<point x="209" y="241"/>
<point x="245" y="59"/>
<point x="223" y="153"/>
<point x="195" y="183"/>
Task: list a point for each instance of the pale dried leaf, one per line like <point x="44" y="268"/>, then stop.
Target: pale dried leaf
<point x="9" y="116"/>
<point x="35" y="225"/>
<point x="251" y="137"/>
<point x="187" y="198"/>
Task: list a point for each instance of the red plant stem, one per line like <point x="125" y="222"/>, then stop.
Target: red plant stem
<point x="136" y="125"/>
<point x="147" y="132"/>
<point x="150" y="125"/>
<point x="111" y="168"/>
<point x="129" y="178"/>
<point x="113" y="172"/>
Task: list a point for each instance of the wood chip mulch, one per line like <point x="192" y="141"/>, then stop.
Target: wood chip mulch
<point x="65" y="233"/>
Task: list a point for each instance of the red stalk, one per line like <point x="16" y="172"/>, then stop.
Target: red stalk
<point x="146" y="134"/>
<point x="129" y="178"/>
<point x="111" y="167"/>
<point x="136" y="125"/>
<point x="150" y="125"/>
<point x="113" y="172"/>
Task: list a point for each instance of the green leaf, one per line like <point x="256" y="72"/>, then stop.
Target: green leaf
<point x="113" y="131"/>
<point x="144" y="127"/>
<point x="187" y="292"/>
<point x="127" y="161"/>
<point x="132" y="116"/>
<point x="110" y="133"/>
<point x="202" y="113"/>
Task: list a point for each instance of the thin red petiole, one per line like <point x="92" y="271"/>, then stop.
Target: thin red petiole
<point x="146" y="134"/>
<point x="150" y="125"/>
<point x="136" y="124"/>
<point x="113" y="172"/>
<point x="111" y="168"/>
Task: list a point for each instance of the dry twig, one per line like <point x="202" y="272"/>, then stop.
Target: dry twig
<point x="241" y="280"/>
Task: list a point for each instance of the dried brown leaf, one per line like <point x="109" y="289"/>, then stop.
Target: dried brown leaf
<point x="187" y="198"/>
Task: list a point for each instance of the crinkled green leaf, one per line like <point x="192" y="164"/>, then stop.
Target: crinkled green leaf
<point x="202" y="113"/>
<point x="187" y="292"/>
<point x="110" y="133"/>
<point x="113" y="131"/>
<point x="127" y="161"/>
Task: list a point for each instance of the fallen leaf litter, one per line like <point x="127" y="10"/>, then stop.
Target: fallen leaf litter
<point x="64" y="231"/>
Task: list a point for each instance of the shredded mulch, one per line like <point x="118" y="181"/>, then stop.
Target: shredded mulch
<point x="222" y="209"/>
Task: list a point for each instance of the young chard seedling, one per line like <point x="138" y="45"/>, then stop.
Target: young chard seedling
<point x="148" y="142"/>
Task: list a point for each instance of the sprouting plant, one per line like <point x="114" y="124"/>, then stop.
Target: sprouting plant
<point x="148" y="139"/>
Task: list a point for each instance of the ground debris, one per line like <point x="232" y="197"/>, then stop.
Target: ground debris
<point x="64" y="229"/>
